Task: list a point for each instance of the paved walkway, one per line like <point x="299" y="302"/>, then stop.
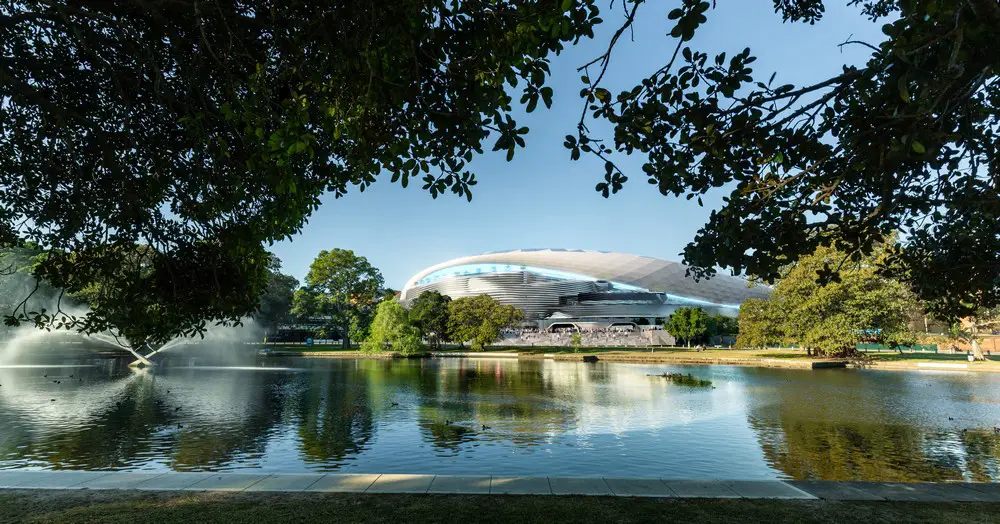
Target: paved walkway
<point x="452" y="484"/>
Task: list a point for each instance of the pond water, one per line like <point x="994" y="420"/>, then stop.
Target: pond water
<point x="500" y="416"/>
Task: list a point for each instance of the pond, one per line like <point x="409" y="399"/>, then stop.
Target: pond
<point x="500" y="416"/>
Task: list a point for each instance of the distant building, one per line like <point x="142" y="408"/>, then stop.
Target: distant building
<point x="585" y="289"/>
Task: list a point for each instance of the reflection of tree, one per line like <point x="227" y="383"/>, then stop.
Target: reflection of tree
<point x="511" y="397"/>
<point x="122" y="422"/>
<point x="982" y="455"/>
<point x="115" y="430"/>
<point x="855" y="432"/>
<point x="233" y="414"/>
<point x="829" y="450"/>
<point x="335" y="418"/>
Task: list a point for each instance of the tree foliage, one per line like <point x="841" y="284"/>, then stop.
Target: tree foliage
<point x="722" y="326"/>
<point x="276" y="301"/>
<point x="479" y="320"/>
<point x="140" y="303"/>
<point x="391" y="328"/>
<point x="760" y="324"/>
<point x="342" y="287"/>
<point x="860" y="306"/>
<point x="906" y="142"/>
<point x="205" y="129"/>
<point x="688" y="324"/>
<point x="972" y="328"/>
<point x="429" y="313"/>
<point x="21" y="291"/>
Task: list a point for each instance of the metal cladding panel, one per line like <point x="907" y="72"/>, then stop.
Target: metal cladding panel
<point x="652" y="274"/>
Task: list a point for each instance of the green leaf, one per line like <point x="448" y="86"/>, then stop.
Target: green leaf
<point x="532" y="103"/>
<point x="547" y="96"/>
<point x="918" y="147"/>
<point x="904" y="91"/>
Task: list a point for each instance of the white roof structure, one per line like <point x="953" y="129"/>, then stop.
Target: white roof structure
<point x="650" y="274"/>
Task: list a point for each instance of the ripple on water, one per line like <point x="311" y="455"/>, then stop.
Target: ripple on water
<point x="504" y="416"/>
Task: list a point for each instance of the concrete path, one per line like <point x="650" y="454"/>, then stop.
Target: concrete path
<point x="497" y="485"/>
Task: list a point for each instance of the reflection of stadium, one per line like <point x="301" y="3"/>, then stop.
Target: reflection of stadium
<point x="582" y="288"/>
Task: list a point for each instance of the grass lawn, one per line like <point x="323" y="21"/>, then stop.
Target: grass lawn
<point x="910" y="360"/>
<point x="884" y="359"/>
<point x="304" y="348"/>
<point x="666" y="352"/>
<point x="284" y="508"/>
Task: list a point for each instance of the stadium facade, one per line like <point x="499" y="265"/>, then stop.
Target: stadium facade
<point x="557" y="287"/>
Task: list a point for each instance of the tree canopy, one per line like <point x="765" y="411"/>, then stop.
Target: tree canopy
<point x="906" y="142"/>
<point x="721" y="326"/>
<point x="860" y="306"/>
<point x="277" y="300"/>
<point x="205" y="130"/>
<point x="688" y="324"/>
<point x="480" y="319"/>
<point x="972" y="327"/>
<point x="342" y="287"/>
<point x="392" y="329"/>
<point x="429" y="313"/>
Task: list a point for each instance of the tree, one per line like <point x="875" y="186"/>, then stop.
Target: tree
<point x="860" y="306"/>
<point x="206" y="129"/>
<point x="17" y="282"/>
<point x="687" y="324"/>
<point x="722" y="326"/>
<point x="138" y="304"/>
<point x="480" y="319"/>
<point x="343" y="288"/>
<point x="276" y="302"/>
<point x="759" y="324"/>
<point x="429" y="313"/>
<point x="392" y="328"/>
<point x="906" y="142"/>
<point x="971" y="328"/>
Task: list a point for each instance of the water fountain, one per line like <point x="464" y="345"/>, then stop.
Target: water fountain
<point x="23" y="339"/>
<point x="20" y="340"/>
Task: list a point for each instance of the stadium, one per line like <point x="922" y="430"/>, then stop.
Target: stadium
<point x="563" y="288"/>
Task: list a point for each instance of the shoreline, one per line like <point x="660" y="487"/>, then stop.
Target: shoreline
<point x="782" y="359"/>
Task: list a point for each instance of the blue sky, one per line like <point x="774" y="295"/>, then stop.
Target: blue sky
<point x="542" y="198"/>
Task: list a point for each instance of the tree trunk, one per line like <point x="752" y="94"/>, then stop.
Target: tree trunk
<point x="346" y="338"/>
<point x="977" y="350"/>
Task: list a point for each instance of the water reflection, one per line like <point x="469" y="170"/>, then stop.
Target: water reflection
<point x="500" y="416"/>
<point x="903" y="427"/>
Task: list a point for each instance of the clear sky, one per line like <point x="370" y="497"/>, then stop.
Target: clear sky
<point x="542" y="198"/>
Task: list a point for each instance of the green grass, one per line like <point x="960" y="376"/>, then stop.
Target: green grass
<point x="582" y="349"/>
<point x="660" y="351"/>
<point x="560" y="349"/>
<point x="284" y="508"/>
<point x="315" y="347"/>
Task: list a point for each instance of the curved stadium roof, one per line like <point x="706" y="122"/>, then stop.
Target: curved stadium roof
<point x="652" y="274"/>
